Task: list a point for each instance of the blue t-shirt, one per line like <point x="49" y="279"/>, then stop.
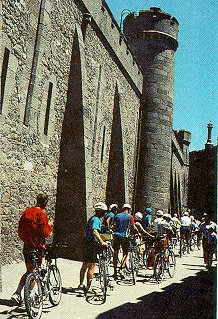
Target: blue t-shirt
<point x="122" y="223"/>
<point x="92" y="223"/>
<point x="146" y="220"/>
<point x="106" y="216"/>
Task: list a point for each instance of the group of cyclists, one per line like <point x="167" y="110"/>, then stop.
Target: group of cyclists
<point x="118" y="227"/>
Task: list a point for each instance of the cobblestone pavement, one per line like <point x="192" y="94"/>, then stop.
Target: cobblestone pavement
<point x="190" y="294"/>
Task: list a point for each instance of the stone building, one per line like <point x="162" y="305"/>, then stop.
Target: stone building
<point x="86" y="115"/>
<point x="202" y="190"/>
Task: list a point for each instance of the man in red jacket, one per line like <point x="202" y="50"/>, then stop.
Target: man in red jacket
<point x="34" y="227"/>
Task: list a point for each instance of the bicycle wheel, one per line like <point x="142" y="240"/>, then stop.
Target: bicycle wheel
<point x="182" y="247"/>
<point x="136" y="260"/>
<point x="103" y="277"/>
<point x="158" y="267"/>
<point x="144" y="257"/>
<point x="193" y="243"/>
<point x="33" y="296"/>
<point x="110" y="254"/>
<point x="130" y="265"/>
<point x="171" y="263"/>
<point x="54" y="285"/>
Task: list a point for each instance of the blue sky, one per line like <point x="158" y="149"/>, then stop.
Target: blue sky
<point x="196" y="62"/>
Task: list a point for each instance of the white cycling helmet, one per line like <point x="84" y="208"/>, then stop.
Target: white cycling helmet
<point x="159" y="212"/>
<point x="167" y="216"/>
<point x="113" y="206"/>
<point x="186" y="214"/>
<point x="138" y="216"/>
<point x="126" y="206"/>
<point x="100" y="206"/>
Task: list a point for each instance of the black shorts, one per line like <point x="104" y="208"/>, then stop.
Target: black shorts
<point x="121" y="241"/>
<point x="185" y="230"/>
<point x="90" y="251"/>
<point x="29" y="254"/>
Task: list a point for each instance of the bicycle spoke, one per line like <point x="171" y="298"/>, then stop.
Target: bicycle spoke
<point x="54" y="285"/>
<point x="33" y="296"/>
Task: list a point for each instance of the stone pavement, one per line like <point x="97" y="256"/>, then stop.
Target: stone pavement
<point x="190" y="294"/>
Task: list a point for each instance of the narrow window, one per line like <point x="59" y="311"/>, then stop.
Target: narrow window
<point x="3" y="75"/>
<point x="102" y="148"/>
<point x="47" y="114"/>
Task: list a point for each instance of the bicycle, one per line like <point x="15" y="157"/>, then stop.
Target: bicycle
<point x="103" y="272"/>
<point x="42" y="283"/>
<point x="183" y="247"/>
<point x="164" y="261"/>
<point x="193" y="241"/>
<point x="133" y="259"/>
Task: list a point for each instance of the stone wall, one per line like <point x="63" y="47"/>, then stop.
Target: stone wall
<point x="202" y="190"/>
<point x="179" y="172"/>
<point x="70" y="88"/>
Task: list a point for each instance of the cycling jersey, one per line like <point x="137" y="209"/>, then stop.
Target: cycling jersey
<point x="104" y="225"/>
<point x="146" y="220"/>
<point x="185" y="221"/>
<point x="92" y="223"/>
<point x="161" y="226"/>
<point x="122" y="223"/>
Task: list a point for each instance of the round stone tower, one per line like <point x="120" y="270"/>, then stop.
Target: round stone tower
<point x="152" y="37"/>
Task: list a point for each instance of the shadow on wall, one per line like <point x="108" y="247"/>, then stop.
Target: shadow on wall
<point x="193" y="298"/>
<point x="115" y="191"/>
<point x="71" y="191"/>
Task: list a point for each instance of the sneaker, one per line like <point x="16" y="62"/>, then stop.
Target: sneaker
<point x="81" y="287"/>
<point x="17" y="298"/>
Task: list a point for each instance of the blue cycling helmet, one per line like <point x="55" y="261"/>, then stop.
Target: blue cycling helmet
<point x="148" y="210"/>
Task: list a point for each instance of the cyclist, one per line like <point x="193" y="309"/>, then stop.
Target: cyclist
<point x="108" y="219"/>
<point x="92" y="244"/>
<point x="198" y="233"/>
<point x="147" y="218"/>
<point x="176" y="225"/>
<point x="138" y="224"/>
<point x="34" y="227"/>
<point x="123" y="224"/>
<point x="143" y="234"/>
<point x="169" y="225"/>
<point x="185" y="229"/>
<point x="193" y="224"/>
<point x="162" y="229"/>
<point x="203" y="230"/>
<point x="210" y="248"/>
<point x="160" y="224"/>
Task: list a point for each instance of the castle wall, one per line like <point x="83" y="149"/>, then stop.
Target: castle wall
<point x="179" y="172"/>
<point x="61" y="80"/>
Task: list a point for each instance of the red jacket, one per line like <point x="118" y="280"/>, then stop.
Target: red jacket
<point x="33" y="227"/>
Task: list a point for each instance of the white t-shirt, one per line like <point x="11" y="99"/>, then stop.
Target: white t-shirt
<point x="160" y="226"/>
<point x="185" y="221"/>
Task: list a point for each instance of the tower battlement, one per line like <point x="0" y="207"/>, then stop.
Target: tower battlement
<point x="153" y="19"/>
